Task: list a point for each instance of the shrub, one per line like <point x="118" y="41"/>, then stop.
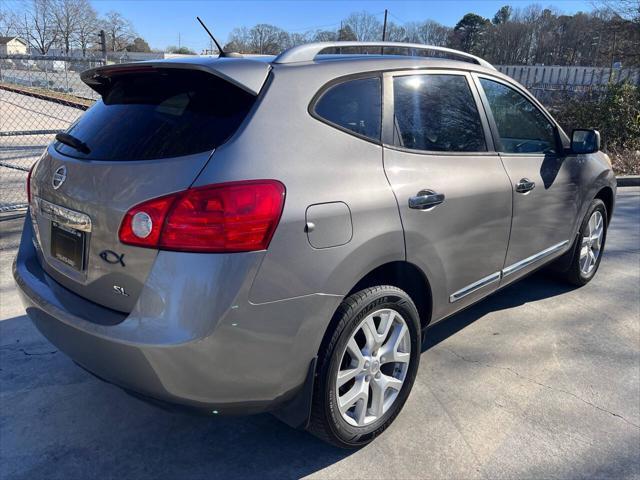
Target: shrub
<point x="616" y="114"/>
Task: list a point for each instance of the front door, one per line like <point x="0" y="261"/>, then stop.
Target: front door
<point x="545" y="196"/>
<point x="452" y="190"/>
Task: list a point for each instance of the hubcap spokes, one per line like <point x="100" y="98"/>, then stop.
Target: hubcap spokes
<point x="591" y="245"/>
<point x="373" y="367"/>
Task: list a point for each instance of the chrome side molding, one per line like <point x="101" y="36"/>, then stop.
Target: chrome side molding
<point x="64" y="216"/>
<point x="469" y="289"/>
<point x="511" y="269"/>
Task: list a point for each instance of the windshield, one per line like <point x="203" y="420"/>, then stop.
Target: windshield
<point x="158" y="114"/>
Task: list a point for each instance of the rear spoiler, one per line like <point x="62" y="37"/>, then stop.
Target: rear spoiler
<point x="250" y="75"/>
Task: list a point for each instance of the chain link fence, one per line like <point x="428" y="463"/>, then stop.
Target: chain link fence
<point x="39" y="97"/>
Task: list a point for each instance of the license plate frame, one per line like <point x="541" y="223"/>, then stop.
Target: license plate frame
<point x="68" y="245"/>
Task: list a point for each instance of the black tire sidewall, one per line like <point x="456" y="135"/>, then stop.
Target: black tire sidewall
<point x="347" y="434"/>
<point x="596" y="205"/>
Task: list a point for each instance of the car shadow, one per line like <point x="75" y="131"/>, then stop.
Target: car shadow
<point x="54" y="415"/>
<point x="144" y="441"/>
<point x="535" y="287"/>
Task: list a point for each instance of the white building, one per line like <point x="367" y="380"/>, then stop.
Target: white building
<point x="13" y="46"/>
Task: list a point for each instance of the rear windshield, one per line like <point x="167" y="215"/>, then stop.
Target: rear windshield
<point x="164" y="113"/>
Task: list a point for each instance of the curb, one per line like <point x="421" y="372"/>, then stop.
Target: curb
<point x="628" y="181"/>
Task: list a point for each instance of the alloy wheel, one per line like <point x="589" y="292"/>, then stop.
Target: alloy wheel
<point x="591" y="245"/>
<point x="373" y="367"/>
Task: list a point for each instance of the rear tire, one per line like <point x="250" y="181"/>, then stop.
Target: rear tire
<point x="372" y="356"/>
<point x="588" y="248"/>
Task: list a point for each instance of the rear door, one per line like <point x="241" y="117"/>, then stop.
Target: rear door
<point x="545" y="192"/>
<point x="150" y="135"/>
<point x="453" y="193"/>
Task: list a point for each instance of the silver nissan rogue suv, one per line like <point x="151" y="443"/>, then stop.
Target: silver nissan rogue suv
<point x="241" y="235"/>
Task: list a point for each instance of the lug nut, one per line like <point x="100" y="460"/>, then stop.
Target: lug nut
<point x="366" y="364"/>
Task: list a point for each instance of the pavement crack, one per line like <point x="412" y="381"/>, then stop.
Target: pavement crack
<point x="12" y="348"/>
<point x="531" y="380"/>
<point x="35" y="354"/>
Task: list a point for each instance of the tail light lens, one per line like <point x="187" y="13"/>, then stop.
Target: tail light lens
<point x="29" y="182"/>
<point x="226" y="217"/>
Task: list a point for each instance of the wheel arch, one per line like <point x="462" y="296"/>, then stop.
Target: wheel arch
<point x="401" y="274"/>
<point x="406" y="276"/>
<point x="606" y="195"/>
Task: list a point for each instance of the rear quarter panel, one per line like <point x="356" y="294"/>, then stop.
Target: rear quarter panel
<point x="317" y="164"/>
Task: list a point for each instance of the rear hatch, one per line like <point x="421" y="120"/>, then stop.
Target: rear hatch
<point x="151" y="134"/>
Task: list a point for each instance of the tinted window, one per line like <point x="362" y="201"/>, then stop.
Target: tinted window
<point x="436" y="113"/>
<point x="166" y="113"/>
<point x="523" y="128"/>
<point x="355" y="105"/>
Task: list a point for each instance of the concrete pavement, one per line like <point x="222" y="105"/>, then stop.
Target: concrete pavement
<point x="539" y="380"/>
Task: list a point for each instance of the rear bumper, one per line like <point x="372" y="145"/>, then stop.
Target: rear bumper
<point x="193" y="338"/>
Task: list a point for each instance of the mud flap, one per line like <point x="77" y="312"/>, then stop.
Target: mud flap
<point x="297" y="412"/>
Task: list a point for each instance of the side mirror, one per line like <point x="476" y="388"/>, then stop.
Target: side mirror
<point x="585" y="141"/>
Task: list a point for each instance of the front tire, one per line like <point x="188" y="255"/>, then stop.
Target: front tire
<point x="589" y="246"/>
<point x="366" y="367"/>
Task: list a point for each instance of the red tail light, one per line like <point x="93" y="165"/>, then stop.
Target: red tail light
<point x="29" y="182"/>
<point x="227" y="217"/>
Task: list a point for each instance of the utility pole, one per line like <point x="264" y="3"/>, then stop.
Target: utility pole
<point x="384" y="30"/>
<point x="179" y="41"/>
<point x="103" y="45"/>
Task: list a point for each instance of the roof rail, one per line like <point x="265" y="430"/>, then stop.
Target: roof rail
<point x="309" y="51"/>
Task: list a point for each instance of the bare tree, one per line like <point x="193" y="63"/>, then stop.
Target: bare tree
<point x="9" y="22"/>
<point x="265" y="39"/>
<point x="87" y="29"/>
<point x="119" y="31"/>
<point x="68" y="14"/>
<point x="626" y="9"/>
<point x="364" y="26"/>
<point x="428" y="32"/>
<point x="325" y="36"/>
<point x="40" y="25"/>
<point x="239" y="40"/>
<point x="395" y="33"/>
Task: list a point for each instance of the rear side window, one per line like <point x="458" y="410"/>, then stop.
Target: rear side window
<point x="354" y="105"/>
<point x="163" y="113"/>
<point x="436" y="113"/>
<point x="523" y="128"/>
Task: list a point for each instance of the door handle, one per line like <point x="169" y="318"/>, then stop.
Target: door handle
<point x="426" y="199"/>
<point x="525" y="185"/>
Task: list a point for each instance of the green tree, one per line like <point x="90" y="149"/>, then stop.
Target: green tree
<point x="503" y="15"/>
<point x="138" y="45"/>
<point x="469" y="33"/>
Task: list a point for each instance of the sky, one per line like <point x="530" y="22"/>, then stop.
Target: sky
<point x="169" y="22"/>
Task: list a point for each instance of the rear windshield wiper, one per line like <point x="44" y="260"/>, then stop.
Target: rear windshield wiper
<point x="73" y="142"/>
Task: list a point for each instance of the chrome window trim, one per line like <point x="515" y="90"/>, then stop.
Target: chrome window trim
<point x="511" y="269"/>
<point x="469" y="289"/>
<point x="64" y="216"/>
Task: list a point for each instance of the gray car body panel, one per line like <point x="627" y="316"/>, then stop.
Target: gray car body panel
<point x="237" y="332"/>
<point x="223" y="353"/>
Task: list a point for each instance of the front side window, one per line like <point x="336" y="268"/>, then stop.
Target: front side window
<point x="436" y="113"/>
<point x="522" y="127"/>
<point x="355" y="105"/>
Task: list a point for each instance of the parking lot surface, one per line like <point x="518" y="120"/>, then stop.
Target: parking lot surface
<point x="539" y="380"/>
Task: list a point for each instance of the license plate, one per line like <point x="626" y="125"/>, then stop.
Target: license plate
<point x="67" y="245"/>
